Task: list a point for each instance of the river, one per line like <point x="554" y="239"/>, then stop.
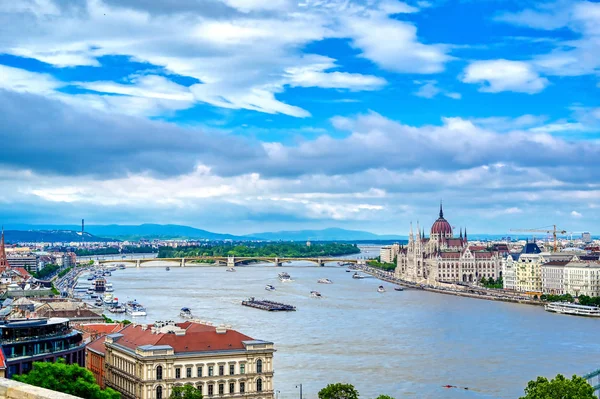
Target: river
<point x="404" y="344"/>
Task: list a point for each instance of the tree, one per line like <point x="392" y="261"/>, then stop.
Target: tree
<point x="185" y="392"/>
<point x="384" y="397"/>
<point x="338" y="391"/>
<point x="66" y="378"/>
<point x="559" y="388"/>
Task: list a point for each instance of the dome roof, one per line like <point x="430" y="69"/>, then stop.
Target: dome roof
<point x="441" y="226"/>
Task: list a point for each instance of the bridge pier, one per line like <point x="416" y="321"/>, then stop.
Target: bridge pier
<point x="362" y="262"/>
<point x="230" y="261"/>
<point x="277" y="262"/>
<point x="320" y="262"/>
<point x="137" y="263"/>
<point x="182" y="262"/>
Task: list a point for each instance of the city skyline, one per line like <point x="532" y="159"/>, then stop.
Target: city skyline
<point x="242" y="116"/>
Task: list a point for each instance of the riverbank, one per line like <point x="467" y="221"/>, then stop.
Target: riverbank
<point x="469" y="292"/>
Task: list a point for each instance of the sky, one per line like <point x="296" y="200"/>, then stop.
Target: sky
<point x="242" y="116"/>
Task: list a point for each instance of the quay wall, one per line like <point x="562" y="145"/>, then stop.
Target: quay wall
<point x="10" y="389"/>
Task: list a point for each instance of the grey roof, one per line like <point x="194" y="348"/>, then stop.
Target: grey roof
<point x="531" y="248"/>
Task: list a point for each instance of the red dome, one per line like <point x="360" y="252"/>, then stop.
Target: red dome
<point x="441" y="227"/>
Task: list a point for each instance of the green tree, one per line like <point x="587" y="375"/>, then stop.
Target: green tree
<point x="66" y="378"/>
<point x="338" y="391"/>
<point x="185" y="392"/>
<point x="559" y="388"/>
<point x="384" y="397"/>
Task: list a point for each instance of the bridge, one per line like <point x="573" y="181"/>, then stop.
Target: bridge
<point x="593" y="379"/>
<point x="231" y="261"/>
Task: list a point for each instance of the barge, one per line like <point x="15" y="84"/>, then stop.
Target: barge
<point x="269" y="306"/>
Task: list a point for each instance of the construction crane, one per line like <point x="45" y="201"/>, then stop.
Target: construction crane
<point x="554" y="233"/>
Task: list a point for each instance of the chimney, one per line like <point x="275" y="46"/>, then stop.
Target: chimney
<point x="221" y="330"/>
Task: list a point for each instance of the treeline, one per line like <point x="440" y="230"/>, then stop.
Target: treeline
<point x="492" y="283"/>
<point x="282" y="250"/>
<point x="378" y="264"/>
<point x="47" y="271"/>
<point x="128" y="249"/>
<point x="557" y="298"/>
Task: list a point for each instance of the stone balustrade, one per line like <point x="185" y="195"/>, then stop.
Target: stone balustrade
<point x="10" y="389"/>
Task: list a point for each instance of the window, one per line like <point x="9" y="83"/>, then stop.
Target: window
<point x="199" y="371"/>
<point x="259" y="385"/>
<point x="221" y="389"/>
<point x="159" y="392"/>
<point x="221" y="370"/>
<point x="177" y="372"/>
<point x="231" y="369"/>
<point x="210" y="371"/>
<point x="199" y="388"/>
<point x="159" y="374"/>
<point x="210" y="389"/>
<point x="259" y="366"/>
<point x="242" y="387"/>
<point x="188" y="372"/>
<point x="231" y="387"/>
<point x="242" y="369"/>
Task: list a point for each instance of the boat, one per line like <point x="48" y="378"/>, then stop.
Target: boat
<point x="573" y="309"/>
<point x="117" y="309"/>
<point x="90" y="291"/>
<point x="98" y="302"/>
<point x="356" y="275"/>
<point x="94" y="296"/>
<point x="167" y="268"/>
<point x="324" y="281"/>
<point x="186" y="313"/>
<point x="108" y="299"/>
<point x="134" y="308"/>
<point x="90" y="278"/>
<point x="284" y="277"/>
<point x="381" y="289"/>
<point x="348" y="271"/>
<point x="230" y="269"/>
<point x="106" y="273"/>
<point x="122" y="266"/>
<point x="315" y="294"/>
<point x="398" y="289"/>
<point x="269" y="287"/>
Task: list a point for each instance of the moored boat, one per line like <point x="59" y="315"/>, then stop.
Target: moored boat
<point x="573" y="309"/>
<point x="324" y="281"/>
<point x="108" y="299"/>
<point x="117" y="309"/>
<point x="358" y="276"/>
<point x="135" y="309"/>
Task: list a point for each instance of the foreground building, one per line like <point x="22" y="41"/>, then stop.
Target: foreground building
<point x="575" y="277"/>
<point x="39" y="340"/>
<point x="389" y="253"/>
<point x="147" y="361"/>
<point x="445" y="258"/>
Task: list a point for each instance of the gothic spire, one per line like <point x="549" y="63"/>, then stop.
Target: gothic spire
<point x="466" y="234"/>
<point x="411" y="232"/>
<point x="461" y="233"/>
<point x="3" y="261"/>
<point x="441" y="210"/>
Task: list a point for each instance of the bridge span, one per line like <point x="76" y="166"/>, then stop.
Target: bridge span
<point x="229" y="261"/>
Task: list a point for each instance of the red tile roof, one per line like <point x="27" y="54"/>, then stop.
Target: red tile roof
<point x="24" y="273"/>
<point x="484" y="255"/>
<point x="100" y="328"/>
<point x="198" y="338"/>
<point x="454" y="242"/>
<point x="97" y="346"/>
<point x="452" y="255"/>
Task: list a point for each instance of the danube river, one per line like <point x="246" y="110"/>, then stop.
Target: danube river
<point x="404" y="344"/>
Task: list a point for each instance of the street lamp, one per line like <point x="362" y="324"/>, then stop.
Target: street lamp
<point x="300" y="386"/>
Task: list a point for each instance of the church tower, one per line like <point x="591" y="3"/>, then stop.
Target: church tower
<point x="3" y="261"/>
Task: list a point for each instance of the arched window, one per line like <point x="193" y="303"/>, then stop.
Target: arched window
<point x="259" y="366"/>
<point x="259" y="385"/>
<point x="159" y="375"/>
<point x="158" y="391"/>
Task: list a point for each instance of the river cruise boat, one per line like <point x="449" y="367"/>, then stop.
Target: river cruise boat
<point x="573" y="309"/>
<point x="315" y="294"/>
<point x="269" y="287"/>
<point x="186" y="313"/>
<point x="135" y="309"/>
<point x="324" y="281"/>
<point x="381" y="289"/>
<point x="357" y="276"/>
<point x="230" y="269"/>
<point x="284" y="277"/>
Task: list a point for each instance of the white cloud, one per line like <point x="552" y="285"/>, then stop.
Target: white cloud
<point x="503" y="75"/>
<point x="20" y="80"/>
<point x="576" y="214"/>
<point x="559" y="127"/>
<point x="430" y="89"/>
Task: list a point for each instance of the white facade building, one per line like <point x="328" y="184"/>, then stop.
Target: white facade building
<point x="389" y="253"/>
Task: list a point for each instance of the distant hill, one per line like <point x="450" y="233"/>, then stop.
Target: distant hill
<point x="13" y="236"/>
<point x="331" y="234"/>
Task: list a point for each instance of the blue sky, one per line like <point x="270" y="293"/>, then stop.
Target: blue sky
<point x="249" y="115"/>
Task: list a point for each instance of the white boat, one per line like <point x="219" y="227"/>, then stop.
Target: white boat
<point x="117" y="309"/>
<point x="135" y="309"/>
<point x="186" y="313"/>
<point x="269" y="288"/>
<point x="356" y="275"/>
<point x="108" y="299"/>
<point x="315" y="294"/>
<point x="324" y="281"/>
<point x="381" y="288"/>
<point x="284" y="277"/>
<point x="230" y="269"/>
<point x="573" y="309"/>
